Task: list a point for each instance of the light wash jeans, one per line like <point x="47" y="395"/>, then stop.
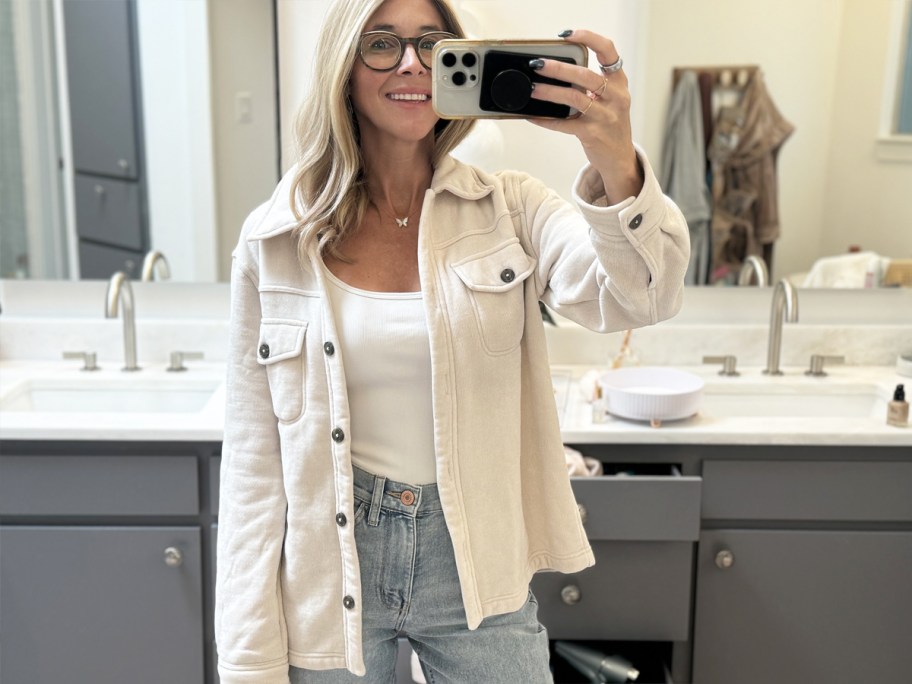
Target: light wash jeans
<point x="410" y="588"/>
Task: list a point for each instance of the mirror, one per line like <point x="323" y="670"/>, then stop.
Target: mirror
<point x="829" y="66"/>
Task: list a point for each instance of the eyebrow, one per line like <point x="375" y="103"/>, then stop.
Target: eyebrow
<point x="391" y="28"/>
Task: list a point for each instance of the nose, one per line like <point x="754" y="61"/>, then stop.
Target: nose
<point x="410" y="64"/>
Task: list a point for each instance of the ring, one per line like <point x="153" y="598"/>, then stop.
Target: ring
<point x="611" y="68"/>
<point x="598" y="93"/>
<point x="583" y="112"/>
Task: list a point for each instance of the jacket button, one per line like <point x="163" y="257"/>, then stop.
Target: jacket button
<point x="341" y="519"/>
<point x="507" y="275"/>
<point x="329" y="348"/>
<point x="338" y="435"/>
<point x="635" y="222"/>
<point x="264" y="350"/>
<point x="348" y="602"/>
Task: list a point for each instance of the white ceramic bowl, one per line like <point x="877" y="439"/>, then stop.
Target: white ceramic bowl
<point x="653" y="394"/>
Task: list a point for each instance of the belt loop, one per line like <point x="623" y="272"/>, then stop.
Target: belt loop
<point x="373" y="516"/>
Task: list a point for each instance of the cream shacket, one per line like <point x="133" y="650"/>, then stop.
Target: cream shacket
<point x="288" y="587"/>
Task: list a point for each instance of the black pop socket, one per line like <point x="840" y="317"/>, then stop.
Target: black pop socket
<point x="511" y="90"/>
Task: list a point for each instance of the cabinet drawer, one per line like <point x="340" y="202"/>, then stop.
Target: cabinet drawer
<point x="808" y="490"/>
<point x="636" y="591"/>
<point x="100" y="261"/>
<point x="108" y="210"/>
<point x="640" y="508"/>
<point x="99" y="485"/>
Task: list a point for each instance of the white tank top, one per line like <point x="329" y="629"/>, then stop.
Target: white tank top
<point x="383" y="339"/>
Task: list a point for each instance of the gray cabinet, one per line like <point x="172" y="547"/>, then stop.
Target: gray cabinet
<point x="799" y="606"/>
<point x="105" y="605"/>
<point x="106" y="563"/>
<point x="105" y="106"/>
<point x="803" y="572"/>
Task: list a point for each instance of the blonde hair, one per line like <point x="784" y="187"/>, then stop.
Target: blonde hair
<point x="329" y="196"/>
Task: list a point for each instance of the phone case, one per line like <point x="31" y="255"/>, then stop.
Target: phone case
<point x="490" y="79"/>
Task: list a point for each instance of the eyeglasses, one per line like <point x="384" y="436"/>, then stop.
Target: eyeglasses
<point x="382" y="50"/>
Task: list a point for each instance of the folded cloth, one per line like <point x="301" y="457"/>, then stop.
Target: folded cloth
<point x="855" y="270"/>
<point x="581" y="466"/>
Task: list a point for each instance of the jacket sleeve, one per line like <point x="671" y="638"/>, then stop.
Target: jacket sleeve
<point x="607" y="268"/>
<point x="250" y="628"/>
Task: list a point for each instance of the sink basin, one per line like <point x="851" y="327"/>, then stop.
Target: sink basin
<point x="109" y="395"/>
<point x="861" y="401"/>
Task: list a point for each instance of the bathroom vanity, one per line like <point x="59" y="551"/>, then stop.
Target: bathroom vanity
<point x="736" y="548"/>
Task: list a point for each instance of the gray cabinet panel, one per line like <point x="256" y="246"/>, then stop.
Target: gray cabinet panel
<point x="100" y="74"/>
<point x="108" y="210"/>
<point x="640" y="508"/>
<point x="808" y="490"/>
<point x="100" y="605"/>
<point x="215" y="467"/>
<point x="99" y="485"/>
<point x="804" y="606"/>
<point x="100" y="261"/>
<point x="635" y="591"/>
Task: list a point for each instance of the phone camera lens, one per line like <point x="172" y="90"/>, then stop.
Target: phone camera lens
<point x="459" y="78"/>
<point x="448" y="59"/>
<point x="469" y="59"/>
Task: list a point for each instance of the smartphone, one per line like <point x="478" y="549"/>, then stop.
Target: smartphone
<point x="492" y="79"/>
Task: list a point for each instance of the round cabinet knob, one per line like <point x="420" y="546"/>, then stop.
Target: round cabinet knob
<point x="725" y="559"/>
<point x="99" y="190"/>
<point x="123" y="164"/>
<point x="173" y="557"/>
<point x="571" y="595"/>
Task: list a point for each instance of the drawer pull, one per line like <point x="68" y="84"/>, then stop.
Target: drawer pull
<point x="584" y="514"/>
<point x="571" y="594"/>
<point x="173" y="557"/>
<point x="725" y="559"/>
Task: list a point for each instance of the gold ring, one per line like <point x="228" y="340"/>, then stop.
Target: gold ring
<point x="583" y="112"/>
<point x="598" y="93"/>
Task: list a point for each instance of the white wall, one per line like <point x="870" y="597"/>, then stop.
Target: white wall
<point x="177" y="118"/>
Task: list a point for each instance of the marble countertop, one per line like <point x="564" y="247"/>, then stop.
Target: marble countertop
<point x="205" y="423"/>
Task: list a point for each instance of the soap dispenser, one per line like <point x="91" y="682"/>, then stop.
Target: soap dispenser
<point x="898" y="409"/>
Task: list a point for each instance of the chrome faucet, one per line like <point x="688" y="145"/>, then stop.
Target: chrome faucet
<point x="785" y="301"/>
<point x="155" y="258"/>
<point x="119" y="289"/>
<point x="751" y="265"/>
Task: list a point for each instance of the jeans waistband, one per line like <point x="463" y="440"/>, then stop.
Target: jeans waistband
<point x="399" y="497"/>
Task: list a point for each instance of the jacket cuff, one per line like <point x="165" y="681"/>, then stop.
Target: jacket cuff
<point x="634" y="218"/>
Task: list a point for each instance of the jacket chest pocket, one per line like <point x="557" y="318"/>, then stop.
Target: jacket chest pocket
<point x="494" y="281"/>
<point x="281" y="350"/>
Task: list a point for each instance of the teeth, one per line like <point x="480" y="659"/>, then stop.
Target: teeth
<point x="409" y="97"/>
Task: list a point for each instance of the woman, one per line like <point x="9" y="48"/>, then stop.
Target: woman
<point x="416" y="487"/>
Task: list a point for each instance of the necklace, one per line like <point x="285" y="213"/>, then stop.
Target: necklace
<point x="401" y="221"/>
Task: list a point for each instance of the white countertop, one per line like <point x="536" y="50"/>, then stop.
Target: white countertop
<point x="206" y="424"/>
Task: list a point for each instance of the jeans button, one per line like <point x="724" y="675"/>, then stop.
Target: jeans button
<point x="407" y="498"/>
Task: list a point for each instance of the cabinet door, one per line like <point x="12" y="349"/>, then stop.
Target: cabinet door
<point x="803" y="606"/>
<point x="108" y="211"/>
<point x="101" y="77"/>
<point x="105" y="605"/>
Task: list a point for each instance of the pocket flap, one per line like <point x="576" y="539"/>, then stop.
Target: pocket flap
<point x="498" y="271"/>
<point x="280" y="340"/>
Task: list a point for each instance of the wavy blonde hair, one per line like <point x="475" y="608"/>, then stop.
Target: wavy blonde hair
<point x="329" y="195"/>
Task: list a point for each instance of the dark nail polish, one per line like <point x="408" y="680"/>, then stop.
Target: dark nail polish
<point x="536" y="64"/>
<point x="564" y="34"/>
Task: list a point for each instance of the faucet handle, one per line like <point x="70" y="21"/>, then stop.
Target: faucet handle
<point x="729" y="363"/>
<point x="817" y="361"/>
<point x="88" y="359"/>
<point x="178" y="358"/>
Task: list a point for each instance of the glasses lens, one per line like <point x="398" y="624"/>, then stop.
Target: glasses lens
<point x="426" y="45"/>
<point x="381" y="50"/>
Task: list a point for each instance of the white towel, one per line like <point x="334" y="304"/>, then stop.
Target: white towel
<point x="856" y="270"/>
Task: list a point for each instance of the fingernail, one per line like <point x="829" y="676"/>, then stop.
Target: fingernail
<point x="564" y="34"/>
<point x="536" y="64"/>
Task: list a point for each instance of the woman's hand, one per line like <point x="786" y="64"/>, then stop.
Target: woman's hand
<point x="603" y="128"/>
